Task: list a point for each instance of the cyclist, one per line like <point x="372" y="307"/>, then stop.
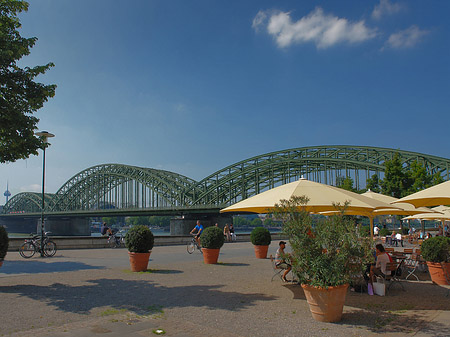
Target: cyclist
<point x="105" y="229"/>
<point x="199" y="229"/>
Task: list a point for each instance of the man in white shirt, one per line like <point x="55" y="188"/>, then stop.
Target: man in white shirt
<point x="376" y="230"/>
<point x="398" y="238"/>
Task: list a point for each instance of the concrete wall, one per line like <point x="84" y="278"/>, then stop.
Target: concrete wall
<point x="83" y="242"/>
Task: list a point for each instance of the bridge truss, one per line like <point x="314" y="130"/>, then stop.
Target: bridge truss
<point x="115" y="186"/>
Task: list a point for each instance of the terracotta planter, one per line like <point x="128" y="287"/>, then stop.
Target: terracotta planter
<point x="326" y="305"/>
<point x="139" y="261"/>
<point x="261" y="251"/>
<point x="210" y="256"/>
<point x="437" y="273"/>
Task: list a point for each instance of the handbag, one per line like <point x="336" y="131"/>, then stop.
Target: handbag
<point x="379" y="288"/>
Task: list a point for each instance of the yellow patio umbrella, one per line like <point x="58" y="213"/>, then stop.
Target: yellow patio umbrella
<point x="432" y="196"/>
<point x="401" y="208"/>
<point x="321" y="198"/>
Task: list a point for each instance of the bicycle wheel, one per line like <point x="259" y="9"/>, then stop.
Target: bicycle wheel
<point x="27" y="250"/>
<point x="190" y="247"/>
<point x="49" y="248"/>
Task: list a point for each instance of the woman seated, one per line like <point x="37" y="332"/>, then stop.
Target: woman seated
<point x="383" y="259"/>
<point x="280" y="260"/>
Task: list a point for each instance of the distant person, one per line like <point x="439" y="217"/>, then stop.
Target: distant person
<point x="217" y="225"/>
<point x="440" y="231"/>
<point x="226" y="232"/>
<point x="232" y="233"/>
<point x="105" y="230"/>
<point x="398" y="238"/>
<point x="281" y="260"/>
<point x="198" y="229"/>
<point x="376" y="230"/>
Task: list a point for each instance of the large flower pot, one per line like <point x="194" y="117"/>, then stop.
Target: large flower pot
<point x="326" y="305"/>
<point x="261" y="251"/>
<point x="139" y="261"/>
<point x="437" y="273"/>
<point x="210" y="256"/>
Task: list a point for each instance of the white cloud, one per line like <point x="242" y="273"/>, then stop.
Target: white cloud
<point x="322" y="29"/>
<point x="406" y="38"/>
<point x="385" y="7"/>
<point x="31" y="188"/>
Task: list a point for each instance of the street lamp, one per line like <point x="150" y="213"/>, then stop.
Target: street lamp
<point x="44" y="135"/>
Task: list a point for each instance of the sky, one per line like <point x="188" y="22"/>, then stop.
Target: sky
<point x="192" y="86"/>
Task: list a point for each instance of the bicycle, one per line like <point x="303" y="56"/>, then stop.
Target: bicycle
<point x="116" y="240"/>
<point x="33" y="245"/>
<point x="192" y="245"/>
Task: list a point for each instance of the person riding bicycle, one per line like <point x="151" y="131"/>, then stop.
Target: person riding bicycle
<point x="199" y="229"/>
<point x="105" y="230"/>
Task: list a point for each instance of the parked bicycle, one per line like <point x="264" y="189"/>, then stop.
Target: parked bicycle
<point x="116" y="240"/>
<point x="192" y="245"/>
<point x="33" y="245"/>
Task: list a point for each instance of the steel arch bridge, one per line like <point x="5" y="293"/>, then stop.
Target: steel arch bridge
<point x="129" y="188"/>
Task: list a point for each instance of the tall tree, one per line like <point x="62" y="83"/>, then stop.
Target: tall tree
<point x="394" y="178"/>
<point x="345" y="183"/>
<point x="373" y="184"/>
<point x="20" y="95"/>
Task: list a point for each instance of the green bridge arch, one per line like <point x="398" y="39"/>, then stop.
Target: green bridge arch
<point x="130" y="188"/>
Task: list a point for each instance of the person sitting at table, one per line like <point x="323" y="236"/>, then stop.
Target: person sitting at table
<point x="382" y="260"/>
<point x="398" y="238"/>
<point x="280" y="260"/>
<point x="393" y="238"/>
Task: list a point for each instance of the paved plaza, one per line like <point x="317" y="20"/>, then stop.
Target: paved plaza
<point x="92" y="293"/>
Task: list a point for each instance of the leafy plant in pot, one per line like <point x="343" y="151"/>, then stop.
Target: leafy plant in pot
<point x="436" y="251"/>
<point x="4" y="243"/>
<point x="139" y="240"/>
<point x="325" y="255"/>
<point x="212" y="240"/>
<point x="261" y="239"/>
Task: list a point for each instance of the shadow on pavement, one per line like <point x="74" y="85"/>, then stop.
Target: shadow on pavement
<point x="34" y="267"/>
<point x="134" y="295"/>
<point x="397" y="312"/>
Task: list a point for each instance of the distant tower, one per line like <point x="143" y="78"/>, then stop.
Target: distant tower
<point x="7" y="193"/>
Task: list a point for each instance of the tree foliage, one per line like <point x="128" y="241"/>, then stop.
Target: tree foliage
<point x="20" y="95"/>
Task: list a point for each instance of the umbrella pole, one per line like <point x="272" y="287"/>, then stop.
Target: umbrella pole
<point x="371" y="227"/>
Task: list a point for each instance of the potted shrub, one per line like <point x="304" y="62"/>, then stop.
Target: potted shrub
<point x="436" y="251"/>
<point x="212" y="240"/>
<point x="325" y="255"/>
<point x="260" y="238"/>
<point x="4" y="243"/>
<point x="139" y="240"/>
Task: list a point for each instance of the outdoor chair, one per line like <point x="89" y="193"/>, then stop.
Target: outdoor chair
<point x="276" y="271"/>
<point x="392" y="277"/>
<point x="389" y="250"/>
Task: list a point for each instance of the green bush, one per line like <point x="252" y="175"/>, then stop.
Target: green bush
<point x="436" y="249"/>
<point x="327" y="253"/>
<point x="139" y="239"/>
<point x="4" y="242"/>
<point x="364" y="230"/>
<point x="260" y="236"/>
<point x="212" y="238"/>
<point x="384" y="232"/>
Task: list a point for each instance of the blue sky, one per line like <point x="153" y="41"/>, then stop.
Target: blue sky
<point x="194" y="86"/>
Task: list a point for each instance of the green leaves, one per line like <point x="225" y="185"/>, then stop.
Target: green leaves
<point x="20" y="95"/>
<point x="212" y="237"/>
<point x="324" y="253"/>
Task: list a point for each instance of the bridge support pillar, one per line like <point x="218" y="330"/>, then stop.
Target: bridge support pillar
<point x="184" y="226"/>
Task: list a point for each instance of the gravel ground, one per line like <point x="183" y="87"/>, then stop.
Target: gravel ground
<point x="81" y="292"/>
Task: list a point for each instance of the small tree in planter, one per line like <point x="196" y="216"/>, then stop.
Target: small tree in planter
<point x="436" y="251"/>
<point x="4" y="243"/>
<point x="139" y="240"/>
<point x="324" y="256"/>
<point x="261" y="239"/>
<point x="212" y="240"/>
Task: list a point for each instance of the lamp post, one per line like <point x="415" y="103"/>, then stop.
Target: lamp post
<point x="44" y="135"/>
